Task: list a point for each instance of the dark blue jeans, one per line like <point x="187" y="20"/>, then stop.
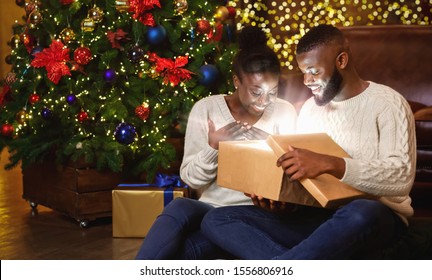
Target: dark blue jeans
<point x="357" y="230"/>
<point x="176" y="233"/>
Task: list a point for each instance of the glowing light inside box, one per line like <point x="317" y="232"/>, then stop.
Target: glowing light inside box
<point x="256" y="144"/>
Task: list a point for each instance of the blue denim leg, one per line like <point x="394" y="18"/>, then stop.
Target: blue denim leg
<point x="171" y="235"/>
<point x="310" y="233"/>
<point x="249" y="232"/>
<point x="198" y="247"/>
<point x="356" y="230"/>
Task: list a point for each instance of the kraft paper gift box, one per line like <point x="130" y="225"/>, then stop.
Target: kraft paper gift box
<point x="250" y="167"/>
<point x="136" y="207"/>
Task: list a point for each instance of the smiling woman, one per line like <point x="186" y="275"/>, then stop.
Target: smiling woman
<point x="251" y="112"/>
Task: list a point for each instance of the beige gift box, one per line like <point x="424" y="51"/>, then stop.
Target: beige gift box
<point x="250" y="167"/>
<point x="136" y="208"/>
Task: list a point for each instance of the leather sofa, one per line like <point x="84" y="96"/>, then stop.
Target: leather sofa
<point x="399" y="56"/>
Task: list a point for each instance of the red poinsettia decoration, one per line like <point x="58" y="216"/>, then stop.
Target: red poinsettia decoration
<point x="171" y="69"/>
<point x="54" y="60"/>
<point x="140" y="10"/>
<point x="116" y="37"/>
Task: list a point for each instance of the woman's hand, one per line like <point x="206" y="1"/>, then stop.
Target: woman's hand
<point x="232" y="131"/>
<point x="272" y="205"/>
<point x="267" y="204"/>
<point x="254" y="133"/>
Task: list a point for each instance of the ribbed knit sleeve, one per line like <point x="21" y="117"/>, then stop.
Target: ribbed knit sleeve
<point x="199" y="165"/>
<point x="391" y="171"/>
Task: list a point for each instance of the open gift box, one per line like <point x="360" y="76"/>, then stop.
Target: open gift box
<point x="250" y="167"/>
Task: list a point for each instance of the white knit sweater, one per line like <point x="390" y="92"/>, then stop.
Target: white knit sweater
<point x="200" y="161"/>
<point x="376" y="128"/>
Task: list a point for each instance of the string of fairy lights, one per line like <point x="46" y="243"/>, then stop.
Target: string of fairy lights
<point x="287" y="20"/>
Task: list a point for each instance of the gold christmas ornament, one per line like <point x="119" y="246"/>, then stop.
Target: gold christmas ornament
<point x="21" y="116"/>
<point x="67" y="35"/>
<point x="181" y="6"/>
<point x="88" y="25"/>
<point x="221" y="14"/>
<point x="15" y="41"/>
<point x="152" y="73"/>
<point x="96" y="14"/>
<point x="122" y="5"/>
<point x="34" y="18"/>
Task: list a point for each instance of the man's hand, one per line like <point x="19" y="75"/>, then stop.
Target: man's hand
<point x="301" y="163"/>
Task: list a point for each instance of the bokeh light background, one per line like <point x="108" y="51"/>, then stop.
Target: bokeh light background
<point x="287" y="20"/>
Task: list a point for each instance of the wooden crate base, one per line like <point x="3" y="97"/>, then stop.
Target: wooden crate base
<point x="83" y="194"/>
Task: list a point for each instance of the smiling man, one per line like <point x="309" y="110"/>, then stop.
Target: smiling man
<point x="375" y="126"/>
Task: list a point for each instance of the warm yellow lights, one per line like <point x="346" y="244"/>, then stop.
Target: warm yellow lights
<point x="289" y="19"/>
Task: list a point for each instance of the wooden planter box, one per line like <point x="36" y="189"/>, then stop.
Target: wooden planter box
<point x="81" y="193"/>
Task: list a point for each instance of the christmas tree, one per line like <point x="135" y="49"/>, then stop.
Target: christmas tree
<point x="109" y="81"/>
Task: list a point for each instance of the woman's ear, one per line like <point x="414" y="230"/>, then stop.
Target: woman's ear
<point x="342" y="60"/>
<point x="236" y="81"/>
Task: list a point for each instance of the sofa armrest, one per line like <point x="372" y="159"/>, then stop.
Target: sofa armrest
<point x="424" y="114"/>
<point x="423" y="123"/>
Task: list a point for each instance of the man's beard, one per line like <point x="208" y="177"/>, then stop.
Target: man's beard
<point x="331" y="90"/>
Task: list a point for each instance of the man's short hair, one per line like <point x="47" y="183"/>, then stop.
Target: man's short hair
<point x="320" y="35"/>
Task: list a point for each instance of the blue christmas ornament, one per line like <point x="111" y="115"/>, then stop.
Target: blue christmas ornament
<point x="46" y="113"/>
<point x="125" y="133"/>
<point x="156" y="35"/>
<point x="71" y="99"/>
<point x="36" y="50"/>
<point x="109" y="75"/>
<point x="209" y="74"/>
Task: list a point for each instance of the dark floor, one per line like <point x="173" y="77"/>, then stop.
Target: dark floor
<point x="48" y="235"/>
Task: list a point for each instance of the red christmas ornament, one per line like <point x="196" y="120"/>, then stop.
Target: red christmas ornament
<point x="66" y="2"/>
<point x="7" y="130"/>
<point x="33" y="98"/>
<point x="82" y="55"/>
<point x="231" y="12"/>
<point x="142" y="111"/>
<point x="82" y="116"/>
<point x="27" y="40"/>
<point x="203" y="26"/>
<point x="216" y="36"/>
<point x="5" y="94"/>
<point x="10" y="78"/>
